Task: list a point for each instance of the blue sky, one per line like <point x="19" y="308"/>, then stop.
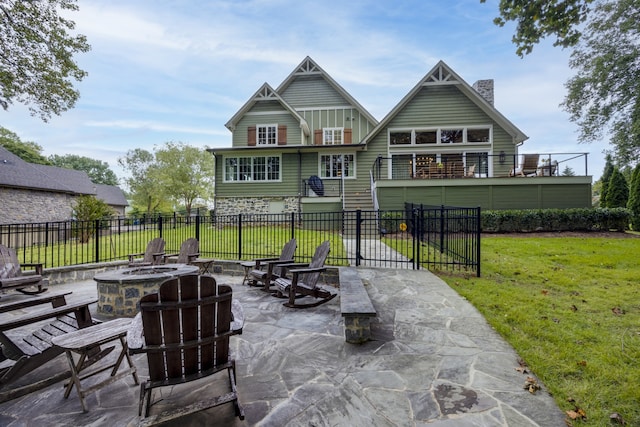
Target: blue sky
<point x="178" y="70"/>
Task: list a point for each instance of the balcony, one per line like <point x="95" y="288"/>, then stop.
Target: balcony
<point x="479" y="165"/>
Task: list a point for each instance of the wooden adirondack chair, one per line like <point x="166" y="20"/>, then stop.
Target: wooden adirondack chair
<point x="187" y="326"/>
<point x="189" y="251"/>
<point x="11" y="276"/>
<point x="528" y="167"/>
<point x="154" y="254"/>
<point x="303" y="281"/>
<point x="266" y="270"/>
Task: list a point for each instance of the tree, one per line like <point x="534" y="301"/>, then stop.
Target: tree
<point x="537" y="19"/>
<point x="633" y="204"/>
<point x="568" y="171"/>
<point x="87" y="210"/>
<point x="27" y="151"/>
<point x="186" y="173"/>
<point x="618" y="191"/>
<point x="36" y="56"/>
<point x="605" y="178"/>
<point x="604" y="97"/>
<point x="146" y="192"/>
<point x="98" y="171"/>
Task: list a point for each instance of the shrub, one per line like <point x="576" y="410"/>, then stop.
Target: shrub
<point x="633" y="204"/>
<point x="578" y="219"/>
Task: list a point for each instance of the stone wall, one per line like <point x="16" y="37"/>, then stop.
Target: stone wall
<point x="77" y="273"/>
<point x="26" y="206"/>
<point x="256" y="205"/>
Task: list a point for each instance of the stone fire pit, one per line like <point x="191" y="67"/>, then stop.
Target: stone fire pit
<point x="120" y="291"/>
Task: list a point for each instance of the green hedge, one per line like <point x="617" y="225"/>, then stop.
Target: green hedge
<point x="579" y="219"/>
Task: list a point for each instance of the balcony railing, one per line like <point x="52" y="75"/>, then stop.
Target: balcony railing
<point x="478" y="165"/>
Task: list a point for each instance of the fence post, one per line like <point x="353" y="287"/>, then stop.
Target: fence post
<point x="198" y="227"/>
<point x="415" y="236"/>
<point x="97" y="239"/>
<point x="478" y="233"/>
<point x="358" y="230"/>
<point x="239" y="236"/>
<point x="293" y="225"/>
<point x="160" y="224"/>
<point x="441" y="228"/>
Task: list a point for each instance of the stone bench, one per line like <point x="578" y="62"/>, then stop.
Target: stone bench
<point x="356" y="306"/>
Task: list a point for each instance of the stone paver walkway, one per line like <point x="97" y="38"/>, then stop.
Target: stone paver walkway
<point x="433" y="361"/>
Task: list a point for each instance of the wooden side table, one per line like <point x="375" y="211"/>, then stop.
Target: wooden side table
<point x="84" y="342"/>
<point x="204" y="264"/>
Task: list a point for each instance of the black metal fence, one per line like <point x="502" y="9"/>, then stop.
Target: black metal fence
<point x="414" y="238"/>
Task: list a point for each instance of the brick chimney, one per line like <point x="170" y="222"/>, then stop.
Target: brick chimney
<point x="485" y="89"/>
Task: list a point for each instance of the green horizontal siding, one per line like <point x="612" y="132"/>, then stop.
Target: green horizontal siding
<point x="312" y="91"/>
<point x="288" y="171"/>
<point x="441" y="106"/>
<point x="293" y="127"/>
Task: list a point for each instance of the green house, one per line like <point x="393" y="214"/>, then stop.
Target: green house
<point x="309" y="146"/>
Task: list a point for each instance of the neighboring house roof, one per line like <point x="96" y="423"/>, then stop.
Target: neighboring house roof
<point x="17" y="173"/>
<point x="309" y="67"/>
<point x="266" y="93"/>
<point x="440" y="75"/>
<point x="76" y="180"/>
<point x="111" y="195"/>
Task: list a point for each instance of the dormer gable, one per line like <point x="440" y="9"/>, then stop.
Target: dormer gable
<point x="266" y="93"/>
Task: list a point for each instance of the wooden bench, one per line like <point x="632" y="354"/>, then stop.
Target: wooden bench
<point x="18" y="302"/>
<point x="356" y="306"/>
<point x="25" y="350"/>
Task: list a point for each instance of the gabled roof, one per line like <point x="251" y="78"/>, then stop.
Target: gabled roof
<point x="309" y="67"/>
<point x="266" y="93"/>
<point x="441" y="75"/>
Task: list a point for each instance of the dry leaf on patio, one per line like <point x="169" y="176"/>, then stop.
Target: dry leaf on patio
<point x="617" y="311"/>
<point x="531" y="384"/>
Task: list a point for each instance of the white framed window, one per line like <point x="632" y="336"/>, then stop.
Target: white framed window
<point x="267" y="134"/>
<point x="337" y="165"/>
<point x="441" y="136"/>
<point x="252" y="169"/>
<point x="332" y="136"/>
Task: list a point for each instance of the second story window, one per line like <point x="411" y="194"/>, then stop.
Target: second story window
<point x="267" y="134"/>
<point x="332" y="136"/>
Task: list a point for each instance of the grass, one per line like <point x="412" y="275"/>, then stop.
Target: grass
<point x="570" y="307"/>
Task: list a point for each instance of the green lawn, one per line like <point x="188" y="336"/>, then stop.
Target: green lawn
<point x="570" y="307"/>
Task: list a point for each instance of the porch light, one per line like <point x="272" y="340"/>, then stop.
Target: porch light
<point x="502" y="157"/>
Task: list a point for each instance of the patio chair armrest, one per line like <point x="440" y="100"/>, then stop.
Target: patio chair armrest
<point x="38" y="266"/>
<point x="132" y="256"/>
<point x="308" y="270"/>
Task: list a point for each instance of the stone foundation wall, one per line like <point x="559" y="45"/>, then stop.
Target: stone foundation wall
<point x="256" y="205"/>
<point x="25" y="206"/>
